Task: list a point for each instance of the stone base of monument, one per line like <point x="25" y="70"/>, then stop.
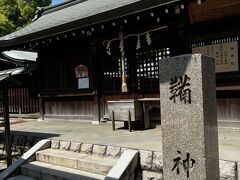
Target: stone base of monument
<point x="189" y="118"/>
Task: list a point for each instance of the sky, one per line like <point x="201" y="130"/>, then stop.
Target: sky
<point x="56" y="1"/>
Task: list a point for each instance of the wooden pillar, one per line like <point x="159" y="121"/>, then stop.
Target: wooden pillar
<point x="7" y="126"/>
<point x="113" y="121"/>
<point x="98" y="74"/>
<point x="129" y="121"/>
<point x="41" y="108"/>
<point x="99" y="108"/>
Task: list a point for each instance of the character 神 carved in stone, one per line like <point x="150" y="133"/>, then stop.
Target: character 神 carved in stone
<point x="179" y="87"/>
<point x="188" y="164"/>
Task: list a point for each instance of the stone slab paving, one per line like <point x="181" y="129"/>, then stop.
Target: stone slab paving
<point x="229" y="143"/>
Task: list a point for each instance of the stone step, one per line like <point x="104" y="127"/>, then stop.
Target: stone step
<point x="20" y="177"/>
<point x="85" y="162"/>
<point x="45" y="171"/>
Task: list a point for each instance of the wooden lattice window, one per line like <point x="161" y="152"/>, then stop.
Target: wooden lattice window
<point x="113" y="73"/>
<point x="117" y="70"/>
<point x="147" y="63"/>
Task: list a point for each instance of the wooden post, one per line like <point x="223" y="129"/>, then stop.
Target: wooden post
<point x="113" y="121"/>
<point x="41" y="108"/>
<point x="99" y="107"/>
<point x="129" y="121"/>
<point x="7" y="126"/>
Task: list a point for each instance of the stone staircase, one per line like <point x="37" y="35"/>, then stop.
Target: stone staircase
<point x="57" y="164"/>
<point x="68" y="161"/>
<point x="62" y="160"/>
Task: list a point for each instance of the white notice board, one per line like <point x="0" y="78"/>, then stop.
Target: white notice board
<point x="225" y="54"/>
<point x="83" y="83"/>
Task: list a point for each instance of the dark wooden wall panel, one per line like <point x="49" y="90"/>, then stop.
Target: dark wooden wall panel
<point x="234" y="107"/>
<point x="223" y="109"/>
<point x="71" y="109"/>
<point x="150" y="96"/>
<point x="213" y="9"/>
<point x="228" y="109"/>
<point x="21" y="101"/>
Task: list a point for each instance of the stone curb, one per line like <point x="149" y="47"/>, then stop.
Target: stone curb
<point x="151" y="161"/>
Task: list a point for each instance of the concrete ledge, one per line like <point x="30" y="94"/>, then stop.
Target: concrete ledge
<point x="27" y="116"/>
<point x="56" y="117"/>
<point x="43" y="144"/>
<point x="125" y="167"/>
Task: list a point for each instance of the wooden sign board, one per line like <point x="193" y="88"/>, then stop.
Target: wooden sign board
<point x="225" y="55"/>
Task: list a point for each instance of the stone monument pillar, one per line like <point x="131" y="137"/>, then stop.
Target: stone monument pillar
<point x="189" y="118"/>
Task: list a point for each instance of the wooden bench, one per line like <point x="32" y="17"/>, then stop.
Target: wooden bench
<point x="125" y="110"/>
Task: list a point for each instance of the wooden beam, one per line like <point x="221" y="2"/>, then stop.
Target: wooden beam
<point x="7" y="126"/>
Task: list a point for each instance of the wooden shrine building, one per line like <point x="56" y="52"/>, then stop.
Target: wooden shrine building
<point x="94" y="51"/>
<point x="13" y="64"/>
<point x="18" y="65"/>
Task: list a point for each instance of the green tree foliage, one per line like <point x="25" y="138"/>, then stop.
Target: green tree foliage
<point x="15" y="14"/>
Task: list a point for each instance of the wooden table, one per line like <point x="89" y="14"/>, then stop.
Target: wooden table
<point x="148" y="104"/>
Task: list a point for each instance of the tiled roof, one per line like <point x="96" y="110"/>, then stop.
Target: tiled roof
<point x="75" y="14"/>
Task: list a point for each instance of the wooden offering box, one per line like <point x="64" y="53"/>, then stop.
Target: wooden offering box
<point x="125" y="110"/>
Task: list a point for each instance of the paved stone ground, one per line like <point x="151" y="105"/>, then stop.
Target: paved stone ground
<point x="229" y="138"/>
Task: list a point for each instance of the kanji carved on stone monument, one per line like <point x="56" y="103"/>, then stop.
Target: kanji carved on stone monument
<point x="179" y="87"/>
<point x="187" y="164"/>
